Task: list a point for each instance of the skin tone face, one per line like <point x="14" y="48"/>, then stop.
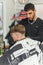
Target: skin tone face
<point x="17" y="36"/>
<point x="31" y="14"/>
<point x="14" y="36"/>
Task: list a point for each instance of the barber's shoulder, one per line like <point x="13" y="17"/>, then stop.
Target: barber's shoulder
<point x="23" y="20"/>
<point x="41" y="20"/>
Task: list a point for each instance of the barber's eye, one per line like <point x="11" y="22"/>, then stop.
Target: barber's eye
<point x="30" y="13"/>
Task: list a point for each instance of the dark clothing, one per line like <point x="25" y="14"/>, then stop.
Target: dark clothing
<point x="9" y="38"/>
<point x="33" y="30"/>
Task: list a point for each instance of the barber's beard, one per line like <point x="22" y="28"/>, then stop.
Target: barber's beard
<point x="31" y="20"/>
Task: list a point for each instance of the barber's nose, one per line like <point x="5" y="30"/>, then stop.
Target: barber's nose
<point x="28" y="15"/>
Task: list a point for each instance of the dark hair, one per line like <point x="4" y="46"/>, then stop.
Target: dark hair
<point x="18" y="28"/>
<point x="29" y="6"/>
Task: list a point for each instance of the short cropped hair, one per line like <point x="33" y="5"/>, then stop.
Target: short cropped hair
<point x="18" y="28"/>
<point x="29" y="6"/>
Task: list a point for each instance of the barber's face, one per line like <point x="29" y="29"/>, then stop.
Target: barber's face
<point x="30" y="14"/>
